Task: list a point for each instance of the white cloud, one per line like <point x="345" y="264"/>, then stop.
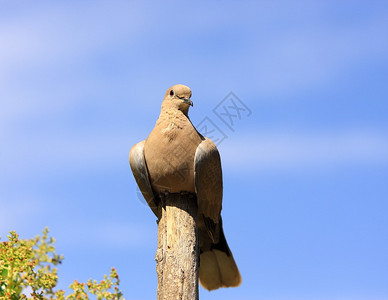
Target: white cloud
<point x="59" y="32"/>
<point x="107" y="234"/>
<point x="274" y="150"/>
<point x="51" y="36"/>
<point x="298" y="151"/>
<point x="60" y="151"/>
<point x="44" y="50"/>
<point x="28" y="214"/>
<point x="301" y="58"/>
<point x="18" y="212"/>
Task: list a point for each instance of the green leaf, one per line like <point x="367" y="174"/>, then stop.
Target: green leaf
<point x="3" y="287"/>
<point x="4" y="273"/>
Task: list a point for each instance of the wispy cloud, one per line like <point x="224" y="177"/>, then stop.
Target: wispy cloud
<point x="45" y="49"/>
<point x="111" y="234"/>
<point x="18" y="212"/>
<point x="298" y="151"/>
<point x="272" y="149"/>
<point x="301" y="58"/>
<point x="59" y="33"/>
<point x="61" y="152"/>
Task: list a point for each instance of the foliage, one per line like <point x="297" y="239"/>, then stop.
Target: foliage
<point x="28" y="267"/>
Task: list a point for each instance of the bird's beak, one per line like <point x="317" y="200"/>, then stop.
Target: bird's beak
<point x="187" y="101"/>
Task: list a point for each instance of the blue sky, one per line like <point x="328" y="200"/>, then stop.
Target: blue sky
<point x="305" y="175"/>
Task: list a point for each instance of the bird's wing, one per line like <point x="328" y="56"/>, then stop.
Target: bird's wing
<point x="140" y="172"/>
<point x="208" y="185"/>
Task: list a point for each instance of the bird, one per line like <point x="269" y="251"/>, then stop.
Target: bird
<point x="176" y="158"/>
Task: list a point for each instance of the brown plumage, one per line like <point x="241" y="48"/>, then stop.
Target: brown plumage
<point x="177" y="158"/>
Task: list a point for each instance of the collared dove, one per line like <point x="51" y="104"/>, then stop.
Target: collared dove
<point x="177" y="158"/>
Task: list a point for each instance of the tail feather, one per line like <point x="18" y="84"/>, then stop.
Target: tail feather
<point x="209" y="272"/>
<point x="217" y="267"/>
<point x="230" y="275"/>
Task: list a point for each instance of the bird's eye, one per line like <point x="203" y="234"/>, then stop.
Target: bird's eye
<point x="172" y="93"/>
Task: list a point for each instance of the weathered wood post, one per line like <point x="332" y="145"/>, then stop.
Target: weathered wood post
<point x="177" y="255"/>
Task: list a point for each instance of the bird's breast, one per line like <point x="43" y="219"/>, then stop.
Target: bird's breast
<point x="169" y="152"/>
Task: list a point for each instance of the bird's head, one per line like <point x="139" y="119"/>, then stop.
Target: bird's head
<point x="178" y="97"/>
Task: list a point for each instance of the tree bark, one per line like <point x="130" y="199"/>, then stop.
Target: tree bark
<point x="177" y="255"/>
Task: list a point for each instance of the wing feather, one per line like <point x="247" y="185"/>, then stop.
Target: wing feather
<point x="140" y="172"/>
<point x="208" y="180"/>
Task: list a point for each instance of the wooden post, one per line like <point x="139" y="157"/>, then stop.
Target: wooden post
<point x="177" y="256"/>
